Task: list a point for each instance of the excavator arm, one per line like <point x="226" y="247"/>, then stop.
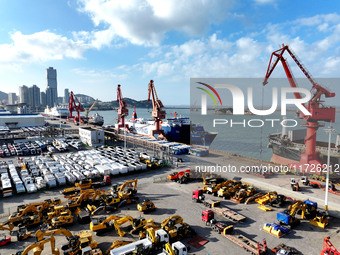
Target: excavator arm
<point x="7" y="225"/>
<point x="121" y="221"/>
<point x="87" y="111"/>
<point x="39" y="235"/>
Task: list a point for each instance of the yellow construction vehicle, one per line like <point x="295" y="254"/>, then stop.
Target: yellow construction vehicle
<point x="78" y="187"/>
<point x="307" y="208"/>
<point x="126" y="190"/>
<point x="242" y="194"/>
<point x="22" y="233"/>
<point x="56" y="211"/>
<point x="137" y="224"/>
<point x="65" y="218"/>
<point x="38" y="247"/>
<point x="150" y="224"/>
<point x="41" y="233"/>
<point x="39" y="208"/>
<point x="146" y="206"/>
<point x="82" y="215"/>
<point x="320" y="220"/>
<point x="85" y="197"/>
<point x="170" y="222"/>
<point x="109" y="203"/>
<point x="102" y="223"/>
<point x="82" y="243"/>
<point x="266" y="198"/>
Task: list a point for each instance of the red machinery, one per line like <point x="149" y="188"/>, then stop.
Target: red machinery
<point x="134" y="114"/>
<point x="123" y="111"/>
<point x="157" y="111"/>
<point x="318" y="111"/>
<point x="74" y="105"/>
<point x="328" y="248"/>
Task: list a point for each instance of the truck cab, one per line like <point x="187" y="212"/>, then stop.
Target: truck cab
<point x="198" y="195"/>
<point x="208" y="217"/>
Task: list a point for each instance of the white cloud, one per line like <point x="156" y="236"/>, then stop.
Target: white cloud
<point x="39" y="47"/>
<point x="264" y="1"/>
<point x="146" y="22"/>
<point x="99" y="74"/>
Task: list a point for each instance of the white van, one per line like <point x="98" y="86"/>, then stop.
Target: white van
<point x="103" y="169"/>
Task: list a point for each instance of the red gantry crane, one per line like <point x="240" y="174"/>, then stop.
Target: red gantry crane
<point x="309" y="158"/>
<point x="74" y="105"/>
<point x="123" y="111"/>
<point x="157" y="111"/>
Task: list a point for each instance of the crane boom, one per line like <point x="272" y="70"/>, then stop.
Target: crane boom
<point x="87" y="111"/>
<point x="318" y="112"/>
<point x="157" y="111"/>
<point x="123" y="111"/>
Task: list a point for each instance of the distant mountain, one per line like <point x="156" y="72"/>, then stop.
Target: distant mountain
<point x="85" y="98"/>
<point x="3" y="96"/>
<point x="129" y="102"/>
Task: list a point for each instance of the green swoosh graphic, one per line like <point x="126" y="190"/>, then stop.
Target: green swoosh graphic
<point x="208" y="94"/>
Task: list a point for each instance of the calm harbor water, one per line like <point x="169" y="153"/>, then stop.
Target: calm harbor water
<point x="245" y="141"/>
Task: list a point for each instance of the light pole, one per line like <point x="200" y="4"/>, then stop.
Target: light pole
<point x="124" y="140"/>
<point x="328" y="130"/>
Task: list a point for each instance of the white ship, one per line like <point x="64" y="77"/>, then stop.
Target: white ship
<point x="96" y="119"/>
<point x="57" y="112"/>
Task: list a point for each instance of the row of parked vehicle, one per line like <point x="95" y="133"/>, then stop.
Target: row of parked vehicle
<point x="33" y="129"/>
<point x="10" y="178"/>
<point x="40" y="172"/>
<point x="37" y="147"/>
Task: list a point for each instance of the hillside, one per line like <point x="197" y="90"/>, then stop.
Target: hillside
<point x="130" y="103"/>
<point x="3" y="96"/>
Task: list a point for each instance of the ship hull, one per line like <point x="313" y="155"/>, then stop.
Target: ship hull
<point x="285" y="155"/>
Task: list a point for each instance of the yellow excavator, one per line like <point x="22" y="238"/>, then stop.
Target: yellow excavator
<point x="82" y="243"/>
<point x="85" y="196"/>
<point x="137" y="224"/>
<point x="102" y="223"/>
<point x="40" y="235"/>
<point x="305" y="207"/>
<point x="169" y="223"/>
<point x="126" y="190"/>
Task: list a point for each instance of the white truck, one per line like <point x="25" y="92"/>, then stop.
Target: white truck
<point x="142" y="246"/>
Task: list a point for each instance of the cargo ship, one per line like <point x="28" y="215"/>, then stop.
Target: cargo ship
<point x="57" y="112"/>
<point x="96" y="119"/>
<point x="287" y="148"/>
<point x="178" y="129"/>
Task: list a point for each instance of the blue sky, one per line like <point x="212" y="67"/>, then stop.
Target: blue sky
<point x="96" y="44"/>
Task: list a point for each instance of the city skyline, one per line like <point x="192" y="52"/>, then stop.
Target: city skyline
<point x="97" y="45"/>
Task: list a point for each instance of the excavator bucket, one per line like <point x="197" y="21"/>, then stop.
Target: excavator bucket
<point x="320" y="222"/>
<point x="265" y="208"/>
